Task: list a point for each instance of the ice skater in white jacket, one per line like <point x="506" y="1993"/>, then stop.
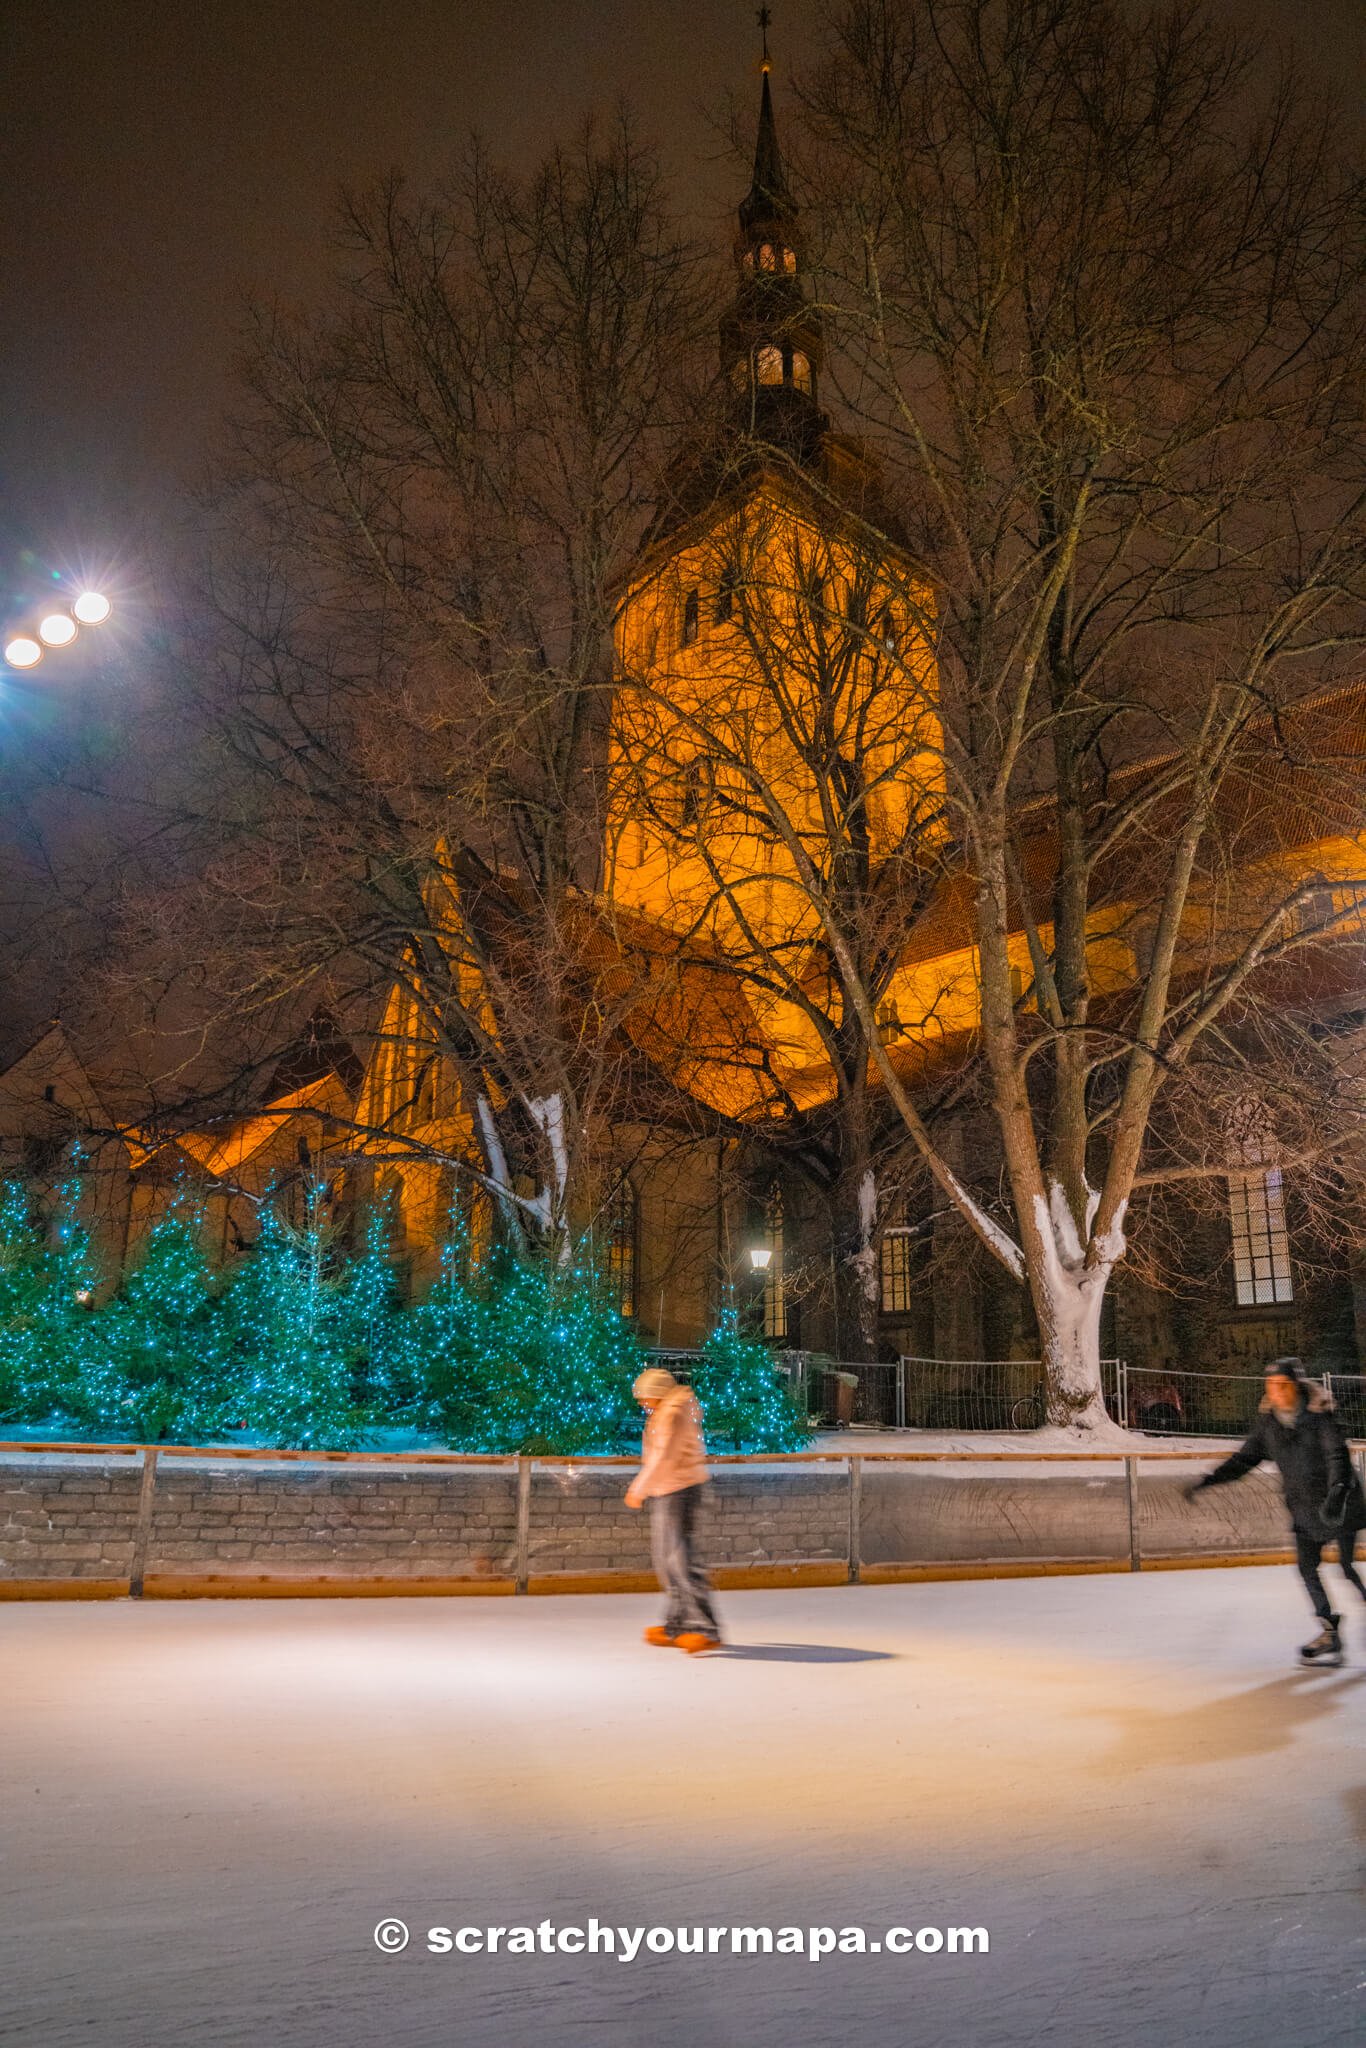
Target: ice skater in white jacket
<point x="673" y="1472"/>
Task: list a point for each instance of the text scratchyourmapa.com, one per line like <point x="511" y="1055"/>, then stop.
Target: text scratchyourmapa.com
<point x="626" y="1944"/>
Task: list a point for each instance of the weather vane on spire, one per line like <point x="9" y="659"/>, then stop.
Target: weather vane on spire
<point x="765" y="20"/>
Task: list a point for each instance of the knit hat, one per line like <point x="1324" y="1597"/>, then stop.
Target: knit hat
<point x="654" y="1383"/>
<point x="1287" y="1369"/>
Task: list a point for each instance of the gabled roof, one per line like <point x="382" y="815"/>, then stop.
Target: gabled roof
<point x="224" y="1150"/>
<point x="52" y="1054"/>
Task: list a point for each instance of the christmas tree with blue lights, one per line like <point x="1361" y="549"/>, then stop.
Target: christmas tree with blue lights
<point x="369" y="1323"/>
<point x="48" y="1281"/>
<point x="443" y="1348"/>
<point x="558" y="1361"/>
<point x="746" y="1403"/>
<point x="291" y="1349"/>
<point x="155" y="1360"/>
<point x="521" y="1354"/>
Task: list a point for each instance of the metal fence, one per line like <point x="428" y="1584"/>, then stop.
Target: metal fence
<point x="1008" y="1394"/>
<point x="1179" y="1403"/>
<point x="936" y="1393"/>
<point x="972" y="1393"/>
<point x="683" y="1363"/>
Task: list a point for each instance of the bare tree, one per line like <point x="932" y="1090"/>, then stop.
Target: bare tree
<point x="394" y="695"/>
<point x="1097" y="309"/>
<point x="1100" y="307"/>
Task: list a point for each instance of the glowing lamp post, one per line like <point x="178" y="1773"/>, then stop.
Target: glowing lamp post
<point x="760" y="1257"/>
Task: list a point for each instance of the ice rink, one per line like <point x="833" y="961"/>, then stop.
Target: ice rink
<point x="1158" y="1818"/>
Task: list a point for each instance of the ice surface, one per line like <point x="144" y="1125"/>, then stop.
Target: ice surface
<point x="207" y="1807"/>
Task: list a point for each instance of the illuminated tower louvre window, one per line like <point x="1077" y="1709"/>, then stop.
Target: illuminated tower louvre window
<point x="768" y="364"/>
<point x="801" y="370"/>
<point x="691" y="617"/>
<point x="1261" y="1248"/>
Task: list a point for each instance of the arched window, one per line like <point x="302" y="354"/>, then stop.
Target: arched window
<point x="895" y="1263"/>
<point x="768" y="364"/>
<point x="789" y="260"/>
<point x="767" y="256"/>
<point x="691" y="617"/>
<point x="1261" y="1245"/>
<point x="623" y="1245"/>
<point x="801" y="370"/>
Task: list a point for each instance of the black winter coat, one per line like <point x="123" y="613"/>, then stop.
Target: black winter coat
<point x="1313" y="1459"/>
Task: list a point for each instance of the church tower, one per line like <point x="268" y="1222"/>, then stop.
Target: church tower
<point x="771" y="343"/>
<point x="772" y="670"/>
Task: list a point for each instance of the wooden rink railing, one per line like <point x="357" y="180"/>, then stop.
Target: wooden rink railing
<point x="523" y="1464"/>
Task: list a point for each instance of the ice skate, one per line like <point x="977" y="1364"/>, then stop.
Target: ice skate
<point x="1326" y="1647"/>
<point x="662" y="1638"/>
<point x="695" y="1643"/>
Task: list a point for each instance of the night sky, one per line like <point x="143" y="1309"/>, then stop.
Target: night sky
<point x="162" y="158"/>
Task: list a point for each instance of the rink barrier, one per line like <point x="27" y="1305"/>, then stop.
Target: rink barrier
<point x="519" y="1577"/>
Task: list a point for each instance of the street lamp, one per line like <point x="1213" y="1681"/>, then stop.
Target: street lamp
<point x="760" y="1257"/>
<point x="57" y="629"/>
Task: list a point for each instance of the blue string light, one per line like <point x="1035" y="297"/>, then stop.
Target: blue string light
<point x="304" y="1343"/>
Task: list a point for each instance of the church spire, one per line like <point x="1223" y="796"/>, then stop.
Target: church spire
<point x="768" y="195"/>
<point x="771" y="338"/>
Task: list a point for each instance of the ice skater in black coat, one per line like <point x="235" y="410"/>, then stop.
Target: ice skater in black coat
<point x="1299" y="1432"/>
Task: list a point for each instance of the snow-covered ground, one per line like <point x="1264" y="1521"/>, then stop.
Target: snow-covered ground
<point x="1110" y="1446"/>
<point x="208" y="1806"/>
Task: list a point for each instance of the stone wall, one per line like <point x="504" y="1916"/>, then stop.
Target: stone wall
<point x="419" y="1521"/>
<point x="754" y="1515"/>
<point x="70" y="1518"/>
<point x="74" y="1519"/>
<point x="953" y="1513"/>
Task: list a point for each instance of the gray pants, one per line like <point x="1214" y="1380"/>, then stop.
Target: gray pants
<point x="687" y="1591"/>
<point x="1309" y="1551"/>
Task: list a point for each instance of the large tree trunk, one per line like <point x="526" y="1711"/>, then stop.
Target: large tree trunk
<point x="857" y="1293"/>
<point x="1068" y="1291"/>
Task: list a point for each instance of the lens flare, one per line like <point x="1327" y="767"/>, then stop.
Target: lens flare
<point x="23" y="652"/>
<point x="58" y="629"/>
<point x="92" y="608"/>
